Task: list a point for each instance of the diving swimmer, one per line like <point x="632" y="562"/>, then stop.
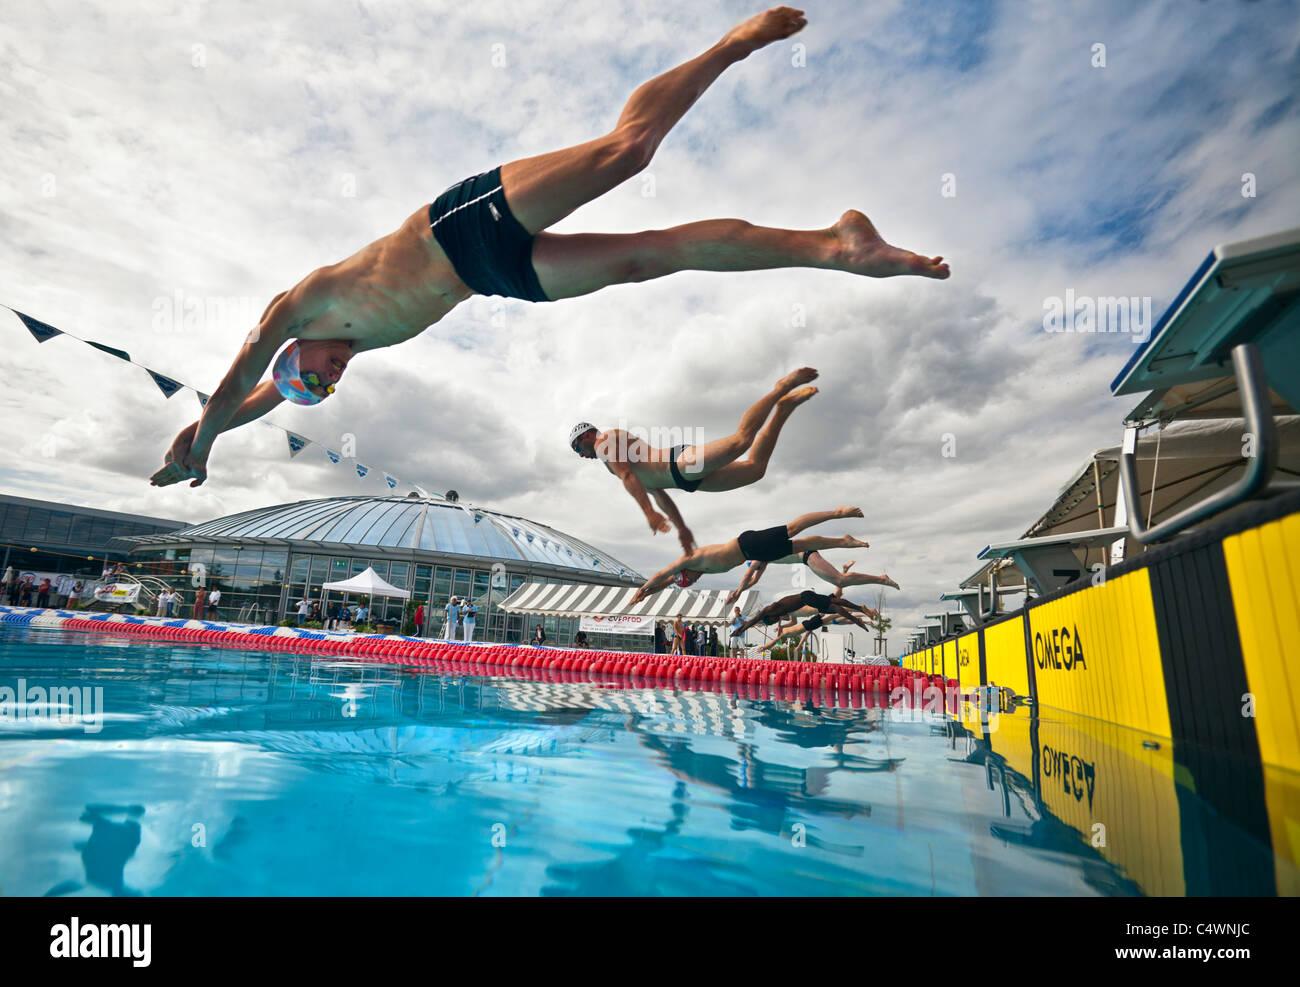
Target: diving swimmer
<point x="488" y="235"/>
<point x="778" y="544"/>
<point x="648" y="473"/>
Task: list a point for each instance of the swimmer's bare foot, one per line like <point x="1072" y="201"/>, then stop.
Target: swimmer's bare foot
<point x="794" y="378"/>
<point x="851" y="542"/>
<point x="797" y="397"/>
<point x="886" y="581"/>
<point x="763" y="29"/>
<point x="859" y="249"/>
<point x="849" y="511"/>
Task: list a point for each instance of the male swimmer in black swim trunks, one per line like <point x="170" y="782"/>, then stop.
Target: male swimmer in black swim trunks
<point x="801" y="628"/>
<point x="810" y="603"/>
<point x="488" y="234"/>
<point x="714" y="466"/>
<point x="817" y="563"/>
<point x="767" y="545"/>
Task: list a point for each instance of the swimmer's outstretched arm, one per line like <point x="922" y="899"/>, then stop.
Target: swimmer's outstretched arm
<point x="633" y="485"/>
<point x="663" y="577"/>
<point x="237" y="400"/>
<point x="666" y="505"/>
<point x="752" y="575"/>
<point x="263" y="399"/>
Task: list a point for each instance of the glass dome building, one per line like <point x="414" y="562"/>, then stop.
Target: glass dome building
<point x="265" y="560"/>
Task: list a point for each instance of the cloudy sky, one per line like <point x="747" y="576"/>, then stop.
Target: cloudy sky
<point x="159" y="153"/>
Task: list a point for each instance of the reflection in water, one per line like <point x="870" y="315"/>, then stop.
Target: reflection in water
<point x="335" y="777"/>
<point x="111" y="844"/>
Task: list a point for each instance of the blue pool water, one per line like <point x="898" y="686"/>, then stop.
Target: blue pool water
<point x="208" y="771"/>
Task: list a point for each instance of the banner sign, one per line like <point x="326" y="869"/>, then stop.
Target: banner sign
<point x="618" y="624"/>
<point x="117" y="593"/>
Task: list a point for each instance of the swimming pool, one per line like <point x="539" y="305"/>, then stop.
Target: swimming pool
<point x="194" y="770"/>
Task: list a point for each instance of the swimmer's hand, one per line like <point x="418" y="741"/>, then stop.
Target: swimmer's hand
<point x="732" y="597"/>
<point x="182" y="462"/>
<point x="658" y="523"/>
<point x="686" y="539"/>
<point x="638" y="596"/>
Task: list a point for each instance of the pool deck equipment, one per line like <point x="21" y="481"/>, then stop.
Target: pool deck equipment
<point x="1163" y="585"/>
<point x="828" y="682"/>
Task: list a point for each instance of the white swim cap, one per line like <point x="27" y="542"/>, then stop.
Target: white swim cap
<point x="579" y="430"/>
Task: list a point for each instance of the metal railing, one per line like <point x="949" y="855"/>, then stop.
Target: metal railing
<point x="1252" y="384"/>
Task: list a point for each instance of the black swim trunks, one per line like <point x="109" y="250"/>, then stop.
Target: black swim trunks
<point x="767" y="545"/>
<point x="820" y="602"/>
<point x="690" y="486"/>
<point x="490" y="251"/>
<point x="813" y="622"/>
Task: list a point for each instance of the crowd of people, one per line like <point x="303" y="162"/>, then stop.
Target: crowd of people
<point x="682" y="638"/>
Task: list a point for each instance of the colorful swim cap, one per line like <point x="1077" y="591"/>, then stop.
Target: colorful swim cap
<point x="685" y="578"/>
<point x="288" y="377"/>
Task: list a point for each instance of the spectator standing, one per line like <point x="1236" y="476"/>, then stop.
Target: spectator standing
<point x="471" y="617"/>
<point x="25" y="589"/>
<point x="74" y="595"/>
<point x="661" y="640"/>
<point x="304" y="608"/>
<point x="419" y="620"/>
<point x="200" y="603"/>
<point x="453" y="617"/>
<point x="679" y="636"/>
<point x="539" y="636"/>
<point x="713" y="640"/>
<point x="43" y="593"/>
<point x="736" y="639"/>
<point x="160" y="610"/>
<point x="11" y="586"/>
<point x="214" y="601"/>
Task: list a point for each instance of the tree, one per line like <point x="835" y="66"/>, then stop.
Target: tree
<point x="883" y="624"/>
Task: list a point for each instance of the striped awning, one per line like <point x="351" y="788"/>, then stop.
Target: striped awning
<point x="583" y="599"/>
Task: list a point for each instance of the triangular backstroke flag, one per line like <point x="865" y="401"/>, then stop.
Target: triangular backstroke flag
<point x="362" y="470"/>
<point x="297" y="443"/>
<point x="391" y="481"/>
<point x="165" y="384"/>
<point x="37" y="328"/>
<point x="111" y="351"/>
<point x="203" y="399"/>
<point x="335" y="458"/>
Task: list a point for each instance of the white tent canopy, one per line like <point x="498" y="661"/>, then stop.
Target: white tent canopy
<point x="368" y="583"/>
<point x="584" y="599"/>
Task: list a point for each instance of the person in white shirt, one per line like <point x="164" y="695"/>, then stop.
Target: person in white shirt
<point x="162" y="604"/>
<point x="303" y="609"/>
<point x="453" y="615"/>
<point x="214" y="600"/>
<point x="471" y="616"/>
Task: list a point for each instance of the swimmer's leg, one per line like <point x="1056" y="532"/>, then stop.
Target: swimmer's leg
<point x="753" y="467"/>
<point x="575" y="264"/>
<point x="810" y="520"/>
<point x="703" y="460"/>
<point x="834" y="576"/>
<point x="544" y="189"/>
<point x="820" y="543"/>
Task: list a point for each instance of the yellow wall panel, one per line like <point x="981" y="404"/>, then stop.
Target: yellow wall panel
<point x="1264" y="573"/>
<point x="1096" y="652"/>
<point x="1004" y="655"/>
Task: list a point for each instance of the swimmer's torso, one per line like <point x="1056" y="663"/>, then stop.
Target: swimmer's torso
<point x="386" y="293"/>
<point x="648" y="463"/>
